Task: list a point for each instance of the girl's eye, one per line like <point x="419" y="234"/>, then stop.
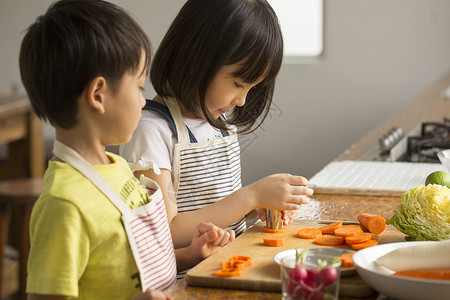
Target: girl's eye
<point x="238" y="85"/>
<point x="142" y="89"/>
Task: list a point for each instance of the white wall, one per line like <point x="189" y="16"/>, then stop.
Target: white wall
<point x="379" y="55"/>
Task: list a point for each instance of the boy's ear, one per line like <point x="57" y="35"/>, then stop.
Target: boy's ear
<point x="96" y="93"/>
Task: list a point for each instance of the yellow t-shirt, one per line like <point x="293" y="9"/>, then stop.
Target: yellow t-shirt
<point x="79" y="247"/>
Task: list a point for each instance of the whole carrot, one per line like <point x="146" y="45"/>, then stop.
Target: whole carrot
<point x="373" y="223"/>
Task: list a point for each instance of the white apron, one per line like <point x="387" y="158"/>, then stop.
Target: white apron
<point x="146" y="226"/>
<point x="203" y="172"/>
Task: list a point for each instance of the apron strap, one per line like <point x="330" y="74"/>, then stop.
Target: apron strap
<point x="164" y="111"/>
<point x="71" y="157"/>
<point x="175" y="111"/>
<point x="183" y="135"/>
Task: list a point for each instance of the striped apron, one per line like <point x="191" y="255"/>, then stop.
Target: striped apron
<point x="146" y="226"/>
<point x="202" y="172"/>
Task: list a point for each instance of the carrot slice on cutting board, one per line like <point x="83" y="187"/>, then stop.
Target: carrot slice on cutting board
<point x="374" y="236"/>
<point x="347" y="260"/>
<point x="373" y="223"/>
<point x="234" y="264"/>
<point x="330" y="240"/>
<point x="274" y="241"/>
<point x="330" y="228"/>
<point x="231" y="272"/>
<point x="348" y="230"/>
<point x="309" y="233"/>
<point x="363" y="237"/>
<point x="270" y="230"/>
<point x="246" y="259"/>
<point x="364" y="245"/>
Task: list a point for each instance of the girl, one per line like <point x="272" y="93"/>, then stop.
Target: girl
<point x="219" y="57"/>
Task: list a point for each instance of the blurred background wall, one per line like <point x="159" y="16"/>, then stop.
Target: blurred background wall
<point x="378" y="55"/>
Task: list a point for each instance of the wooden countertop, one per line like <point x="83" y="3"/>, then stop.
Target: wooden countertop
<point x="326" y="207"/>
<point x="429" y="106"/>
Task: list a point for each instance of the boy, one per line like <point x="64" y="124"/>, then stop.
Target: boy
<point x="95" y="232"/>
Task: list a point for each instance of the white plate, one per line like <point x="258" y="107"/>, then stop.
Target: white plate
<point x="395" y="286"/>
<point x="330" y="251"/>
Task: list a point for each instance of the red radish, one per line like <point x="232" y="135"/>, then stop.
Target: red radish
<point x="327" y="275"/>
<point x="298" y="273"/>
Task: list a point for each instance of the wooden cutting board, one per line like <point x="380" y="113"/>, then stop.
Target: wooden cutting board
<point x="264" y="274"/>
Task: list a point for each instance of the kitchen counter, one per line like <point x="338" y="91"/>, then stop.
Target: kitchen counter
<point x="325" y="207"/>
<point x="430" y="105"/>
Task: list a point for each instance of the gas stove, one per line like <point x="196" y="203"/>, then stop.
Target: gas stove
<point x="420" y="145"/>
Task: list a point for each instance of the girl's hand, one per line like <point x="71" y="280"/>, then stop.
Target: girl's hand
<point x="281" y="192"/>
<point x="153" y="295"/>
<point x="209" y="239"/>
<point x="289" y="216"/>
<point x="261" y="213"/>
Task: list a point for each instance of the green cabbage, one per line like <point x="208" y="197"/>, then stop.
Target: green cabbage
<point x="424" y="214"/>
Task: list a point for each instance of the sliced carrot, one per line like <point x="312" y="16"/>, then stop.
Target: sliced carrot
<point x="234" y="264"/>
<point x="274" y="241"/>
<point x="330" y="227"/>
<point x="374" y="236"/>
<point x="270" y="230"/>
<point x="364" y="245"/>
<point x="330" y="240"/>
<point x="438" y="274"/>
<point x="309" y="233"/>
<point x="246" y="259"/>
<point x="373" y="223"/>
<point x="347" y="260"/>
<point x="358" y="238"/>
<point x="231" y="272"/>
<point x="348" y="230"/>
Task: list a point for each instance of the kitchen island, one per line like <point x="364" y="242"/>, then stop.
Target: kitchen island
<point x="430" y="105"/>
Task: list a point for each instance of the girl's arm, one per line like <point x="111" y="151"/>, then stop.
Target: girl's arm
<point x="182" y="226"/>
<point x="279" y="191"/>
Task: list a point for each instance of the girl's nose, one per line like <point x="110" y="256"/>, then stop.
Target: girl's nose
<point x="240" y="100"/>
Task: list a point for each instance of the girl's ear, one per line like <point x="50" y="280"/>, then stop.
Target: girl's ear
<point x="97" y="93"/>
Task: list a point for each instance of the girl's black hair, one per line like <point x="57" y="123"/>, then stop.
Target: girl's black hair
<point x="71" y="44"/>
<point x="209" y="34"/>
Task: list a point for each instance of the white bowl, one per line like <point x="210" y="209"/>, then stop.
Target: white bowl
<point x="395" y="286"/>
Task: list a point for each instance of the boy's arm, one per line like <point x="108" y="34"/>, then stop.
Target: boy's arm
<point x="207" y="240"/>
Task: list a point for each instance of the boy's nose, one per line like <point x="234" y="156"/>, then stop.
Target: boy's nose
<point x="143" y="101"/>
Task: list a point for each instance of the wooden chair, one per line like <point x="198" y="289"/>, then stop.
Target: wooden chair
<point x="17" y="198"/>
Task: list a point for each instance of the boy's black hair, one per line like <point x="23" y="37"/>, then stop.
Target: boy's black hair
<point x="71" y="44"/>
<point x="209" y="34"/>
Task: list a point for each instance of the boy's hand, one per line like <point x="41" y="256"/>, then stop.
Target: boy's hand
<point x="281" y="192"/>
<point x="209" y="239"/>
<point x="153" y="295"/>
